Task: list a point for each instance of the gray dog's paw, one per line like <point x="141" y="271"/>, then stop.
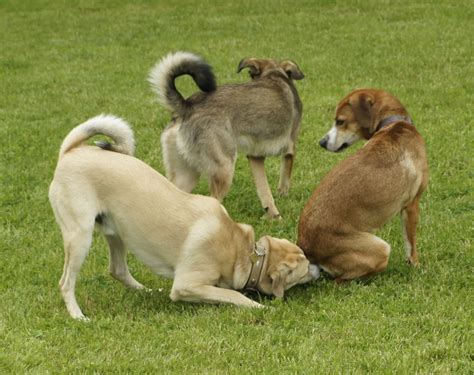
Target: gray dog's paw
<point x="271" y="214"/>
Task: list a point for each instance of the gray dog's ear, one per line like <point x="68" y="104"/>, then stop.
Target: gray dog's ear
<point x="292" y="69"/>
<point x="252" y="64"/>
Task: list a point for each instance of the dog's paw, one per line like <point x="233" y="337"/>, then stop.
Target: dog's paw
<point x="259" y="306"/>
<point x="283" y="191"/>
<point x="81" y="318"/>
<point x="271" y="213"/>
<point x="413" y="261"/>
<point x="272" y="217"/>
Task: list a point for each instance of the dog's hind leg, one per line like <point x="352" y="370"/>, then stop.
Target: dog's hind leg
<point x="410" y="216"/>
<point x="185" y="177"/>
<point x="220" y="179"/>
<point x="357" y="256"/>
<point x="220" y="184"/>
<point x="286" y="167"/>
<point x="178" y="170"/>
<point x="118" y="267"/>
<point x="76" y="246"/>
<point x="257" y="166"/>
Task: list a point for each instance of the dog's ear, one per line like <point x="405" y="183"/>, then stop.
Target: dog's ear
<point x="252" y="64"/>
<point x="362" y="106"/>
<point x="278" y="277"/>
<point x="278" y="285"/>
<point x="292" y="70"/>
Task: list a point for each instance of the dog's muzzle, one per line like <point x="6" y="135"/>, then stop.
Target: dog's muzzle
<point x="343" y="147"/>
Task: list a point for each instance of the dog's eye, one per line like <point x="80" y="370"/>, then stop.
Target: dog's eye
<point x="339" y="122"/>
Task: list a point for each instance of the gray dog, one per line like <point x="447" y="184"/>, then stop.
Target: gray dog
<point x="260" y="118"/>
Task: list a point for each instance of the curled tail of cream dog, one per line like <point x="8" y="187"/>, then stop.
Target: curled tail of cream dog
<point x="163" y="74"/>
<point x="115" y="128"/>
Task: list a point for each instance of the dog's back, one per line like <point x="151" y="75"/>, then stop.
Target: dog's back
<point x="266" y="108"/>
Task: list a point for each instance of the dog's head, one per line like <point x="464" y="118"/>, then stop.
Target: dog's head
<point x="262" y="67"/>
<point x="353" y="121"/>
<point x="358" y="116"/>
<point x="286" y="267"/>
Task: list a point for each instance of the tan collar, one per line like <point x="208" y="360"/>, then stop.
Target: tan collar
<point x="258" y="259"/>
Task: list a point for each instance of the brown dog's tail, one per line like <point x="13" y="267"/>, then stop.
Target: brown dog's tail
<point x="115" y="128"/>
<point x="164" y="73"/>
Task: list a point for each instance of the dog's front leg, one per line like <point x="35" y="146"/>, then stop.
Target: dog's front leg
<point x="210" y="294"/>
<point x="257" y="166"/>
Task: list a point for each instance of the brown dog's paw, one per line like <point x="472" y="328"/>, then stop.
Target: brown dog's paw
<point x="341" y="282"/>
<point x="413" y="261"/>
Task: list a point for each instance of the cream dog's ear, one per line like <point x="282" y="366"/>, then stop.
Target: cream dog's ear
<point x="278" y="287"/>
<point x="278" y="278"/>
<point x="292" y="70"/>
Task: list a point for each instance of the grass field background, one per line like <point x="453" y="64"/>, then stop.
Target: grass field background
<point x="62" y="62"/>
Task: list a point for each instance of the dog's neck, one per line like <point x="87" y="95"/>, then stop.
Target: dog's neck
<point x="391" y="119"/>
<point x="257" y="258"/>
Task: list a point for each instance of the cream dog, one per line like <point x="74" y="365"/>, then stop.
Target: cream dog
<point x="190" y="238"/>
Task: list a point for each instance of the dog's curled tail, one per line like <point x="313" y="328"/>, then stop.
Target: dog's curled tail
<point x="108" y="125"/>
<point x="163" y="74"/>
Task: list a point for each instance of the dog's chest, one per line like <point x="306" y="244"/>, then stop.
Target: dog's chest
<point x="156" y="263"/>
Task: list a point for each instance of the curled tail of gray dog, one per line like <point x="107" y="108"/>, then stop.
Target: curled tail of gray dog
<point x="163" y="74"/>
<point x="113" y="127"/>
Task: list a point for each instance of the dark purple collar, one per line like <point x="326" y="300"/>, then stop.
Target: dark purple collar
<point x="391" y="119"/>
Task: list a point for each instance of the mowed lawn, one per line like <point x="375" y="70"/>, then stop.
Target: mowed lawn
<point x="62" y="62"/>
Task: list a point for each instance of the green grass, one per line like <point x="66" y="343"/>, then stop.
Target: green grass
<point x="62" y="62"/>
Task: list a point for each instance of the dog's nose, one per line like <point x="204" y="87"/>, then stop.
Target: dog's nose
<point x="314" y="271"/>
<point x="323" y="142"/>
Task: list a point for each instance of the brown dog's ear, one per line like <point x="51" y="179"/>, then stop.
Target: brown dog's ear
<point x="252" y="64"/>
<point x="292" y="70"/>
<point x="362" y="106"/>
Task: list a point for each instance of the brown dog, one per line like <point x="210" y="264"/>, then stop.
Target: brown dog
<point x="260" y="118"/>
<point x="387" y="176"/>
